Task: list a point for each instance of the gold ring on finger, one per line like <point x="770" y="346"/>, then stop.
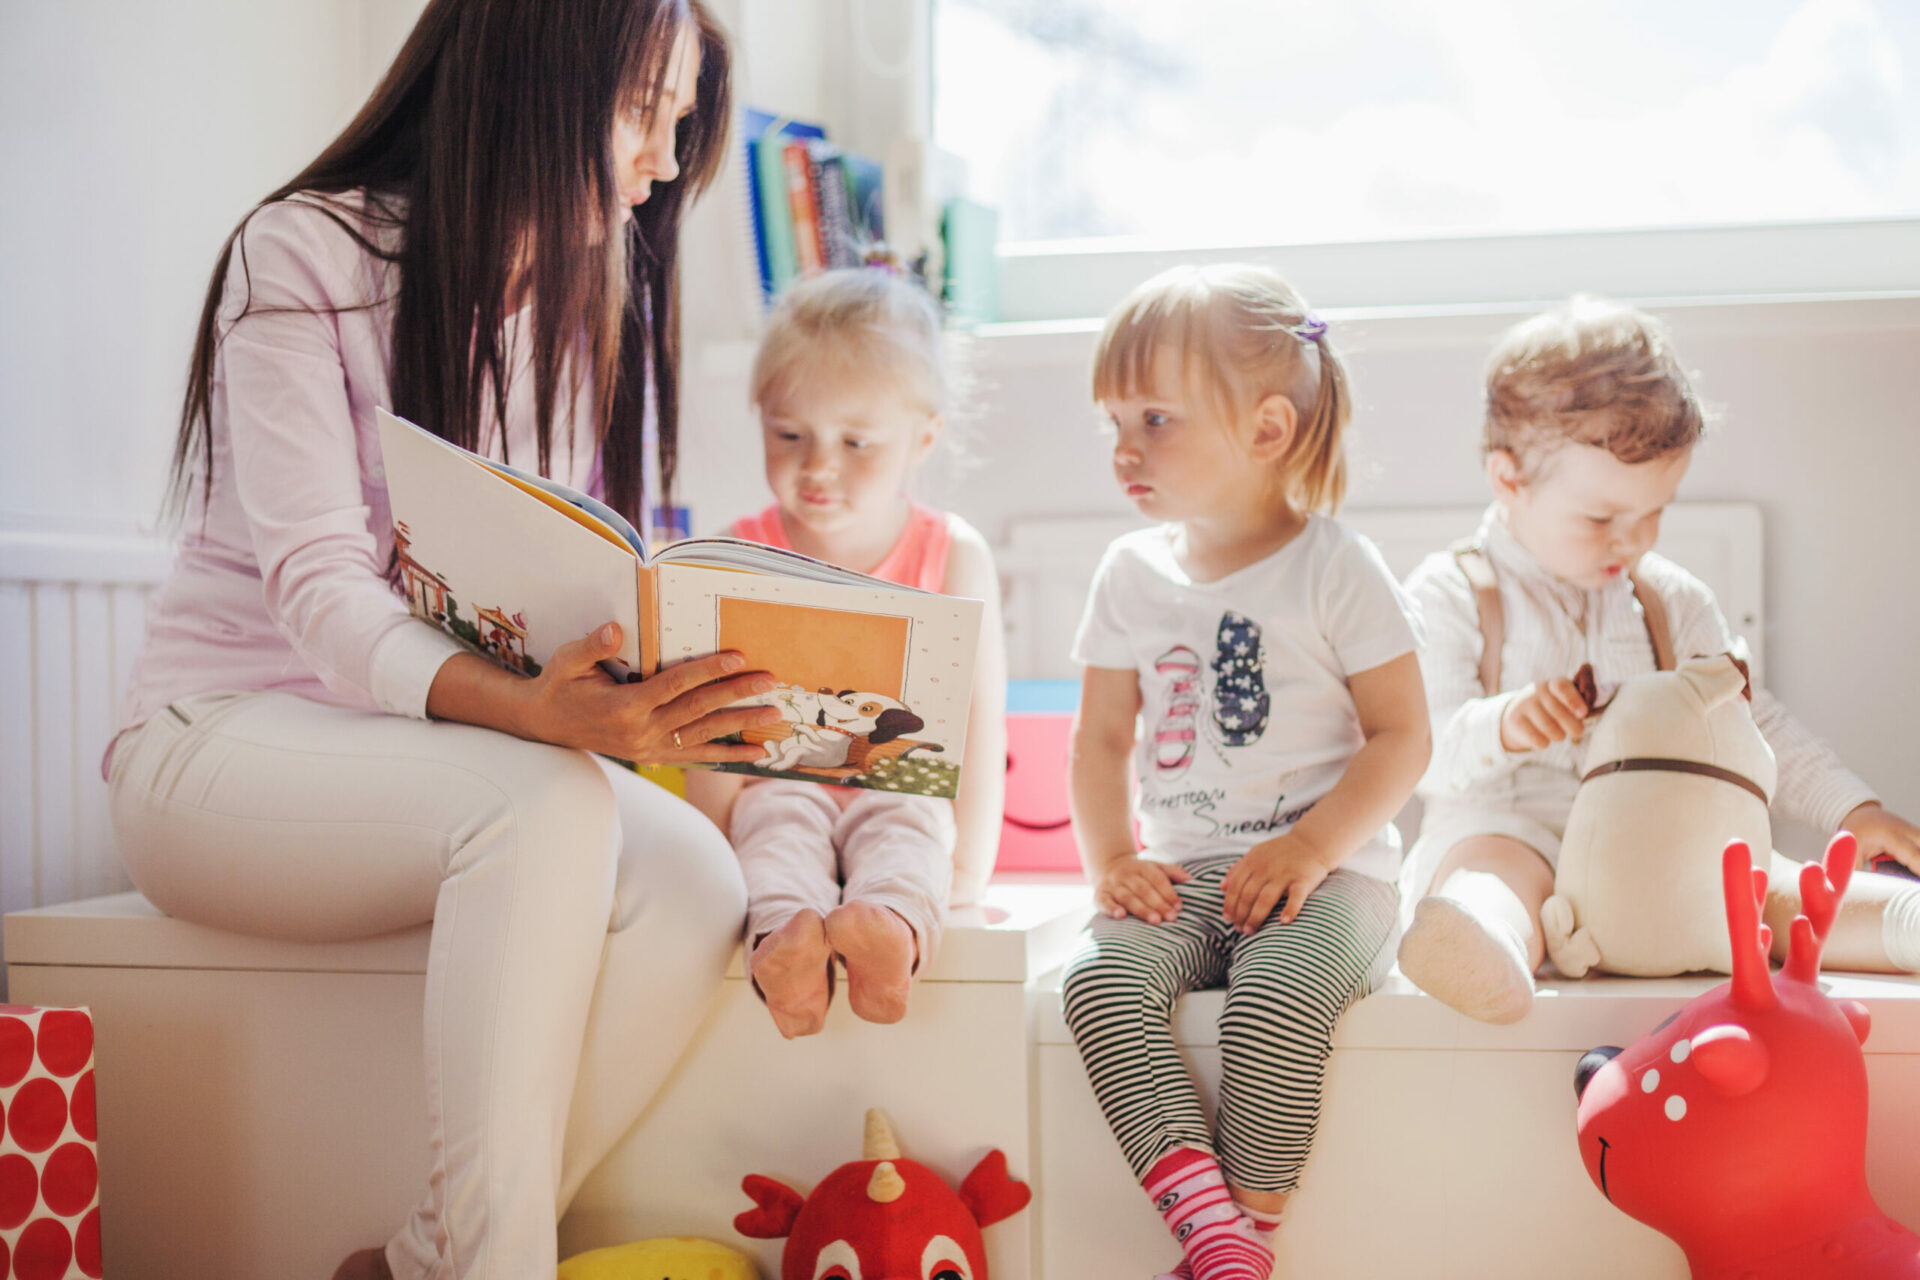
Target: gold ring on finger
<point x="676" y="739"/>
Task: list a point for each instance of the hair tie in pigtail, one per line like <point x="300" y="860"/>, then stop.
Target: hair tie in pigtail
<point x="1310" y="329"/>
<point x="881" y="256"/>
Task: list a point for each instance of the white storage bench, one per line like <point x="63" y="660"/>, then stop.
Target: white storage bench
<point x="1446" y="1147"/>
<point x="263" y="1111"/>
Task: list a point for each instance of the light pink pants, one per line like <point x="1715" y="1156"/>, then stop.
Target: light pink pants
<point x="582" y="920"/>
<point x="800" y="851"/>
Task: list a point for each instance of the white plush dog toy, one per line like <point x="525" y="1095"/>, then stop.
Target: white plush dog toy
<point x="825" y="725"/>
<point x="1675" y="769"/>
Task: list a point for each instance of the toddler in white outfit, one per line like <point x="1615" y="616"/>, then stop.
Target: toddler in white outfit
<point x="1590" y="425"/>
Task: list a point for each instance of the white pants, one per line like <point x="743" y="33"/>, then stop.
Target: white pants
<point x="582" y="918"/>
<point x="801" y="851"/>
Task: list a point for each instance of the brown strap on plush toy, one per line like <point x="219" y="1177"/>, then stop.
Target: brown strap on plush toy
<point x="1655" y="764"/>
<point x="1477" y="566"/>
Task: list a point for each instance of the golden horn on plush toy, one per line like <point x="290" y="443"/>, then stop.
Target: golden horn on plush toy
<point x="886" y="1185"/>
<point x="879" y="1143"/>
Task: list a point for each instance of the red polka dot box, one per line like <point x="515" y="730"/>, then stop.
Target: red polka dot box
<point x="49" y="1173"/>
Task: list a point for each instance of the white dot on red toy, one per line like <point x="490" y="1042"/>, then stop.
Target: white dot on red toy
<point x="1676" y="1107"/>
<point x="1649" y="1082"/>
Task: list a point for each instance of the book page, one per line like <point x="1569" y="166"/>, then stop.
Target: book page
<point x="494" y="566"/>
<point x="587" y="512"/>
<point x="875" y="679"/>
<point x="758" y="557"/>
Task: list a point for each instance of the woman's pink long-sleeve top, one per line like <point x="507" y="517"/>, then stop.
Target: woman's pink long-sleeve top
<point x="280" y="578"/>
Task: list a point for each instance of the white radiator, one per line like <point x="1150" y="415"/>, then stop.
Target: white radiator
<point x="72" y="610"/>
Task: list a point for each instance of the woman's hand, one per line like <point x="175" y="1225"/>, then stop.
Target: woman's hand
<point x="1542" y="715"/>
<point x="1135" y="886"/>
<point x="1285" y="867"/>
<point x="670" y="718"/>
<point x="1879" y="834"/>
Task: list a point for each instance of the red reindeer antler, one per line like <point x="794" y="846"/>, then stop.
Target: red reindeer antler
<point x="1821" y="888"/>
<point x="1746" y="888"/>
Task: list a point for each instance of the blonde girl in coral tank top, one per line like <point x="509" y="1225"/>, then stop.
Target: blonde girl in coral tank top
<point x="852" y="392"/>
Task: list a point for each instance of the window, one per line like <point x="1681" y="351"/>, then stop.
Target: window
<point x="1102" y="126"/>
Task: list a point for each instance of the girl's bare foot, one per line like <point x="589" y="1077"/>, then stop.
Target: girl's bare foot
<point x="793" y="967"/>
<point x="879" y="950"/>
<point x="365" y="1264"/>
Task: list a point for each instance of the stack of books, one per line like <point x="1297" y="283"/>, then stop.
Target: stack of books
<point x="815" y="205"/>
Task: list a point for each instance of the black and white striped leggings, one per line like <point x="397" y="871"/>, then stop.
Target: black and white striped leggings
<point x="1287" y="986"/>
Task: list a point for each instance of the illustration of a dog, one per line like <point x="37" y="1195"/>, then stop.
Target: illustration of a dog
<point x="826" y="725"/>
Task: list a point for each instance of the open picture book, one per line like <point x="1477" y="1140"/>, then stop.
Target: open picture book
<point x="874" y="678"/>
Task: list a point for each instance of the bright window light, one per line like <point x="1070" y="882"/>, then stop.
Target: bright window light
<point x="1273" y="122"/>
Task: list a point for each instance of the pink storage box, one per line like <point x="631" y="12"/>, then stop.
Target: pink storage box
<point x="1036" y="835"/>
<point x="49" y="1156"/>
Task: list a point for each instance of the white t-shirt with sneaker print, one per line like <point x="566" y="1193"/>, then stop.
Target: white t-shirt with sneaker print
<point x="1246" y="718"/>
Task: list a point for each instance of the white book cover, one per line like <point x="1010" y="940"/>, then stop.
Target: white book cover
<point x="494" y="566"/>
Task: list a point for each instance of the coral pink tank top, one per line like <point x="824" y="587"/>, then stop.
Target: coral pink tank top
<point x="918" y="559"/>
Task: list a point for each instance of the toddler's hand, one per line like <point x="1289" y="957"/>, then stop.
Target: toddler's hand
<point x="1542" y="715"/>
<point x="1135" y="886"/>
<point x="1283" y="867"/>
<point x="1879" y="833"/>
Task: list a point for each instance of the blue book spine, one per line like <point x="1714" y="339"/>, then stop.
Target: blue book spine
<point x="766" y="134"/>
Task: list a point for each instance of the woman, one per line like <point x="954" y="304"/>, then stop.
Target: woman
<point x="489" y="248"/>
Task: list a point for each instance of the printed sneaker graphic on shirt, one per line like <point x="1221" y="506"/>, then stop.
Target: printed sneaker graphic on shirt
<point x="1240" y="699"/>
<point x="1173" y="738"/>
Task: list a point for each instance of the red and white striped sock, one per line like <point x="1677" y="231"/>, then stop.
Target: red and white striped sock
<point x="1263" y="1222"/>
<point x="1190" y="1192"/>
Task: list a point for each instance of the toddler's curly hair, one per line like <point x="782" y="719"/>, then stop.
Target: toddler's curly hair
<point x="1595" y="372"/>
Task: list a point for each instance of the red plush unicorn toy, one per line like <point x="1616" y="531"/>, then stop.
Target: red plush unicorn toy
<point x="884" y="1218"/>
<point x="1739" y="1127"/>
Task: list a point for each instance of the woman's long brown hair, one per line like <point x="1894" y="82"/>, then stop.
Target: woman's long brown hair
<point x="486" y="145"/>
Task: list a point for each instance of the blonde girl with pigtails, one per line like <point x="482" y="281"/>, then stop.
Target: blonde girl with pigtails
<point x="1251" y="704"/>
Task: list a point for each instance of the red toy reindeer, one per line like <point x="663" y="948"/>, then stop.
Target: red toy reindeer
<point x="1739" y="1127"/>
<point x="884" y="1218"/>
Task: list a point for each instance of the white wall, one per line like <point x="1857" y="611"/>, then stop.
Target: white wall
<point x="134" y="136"/>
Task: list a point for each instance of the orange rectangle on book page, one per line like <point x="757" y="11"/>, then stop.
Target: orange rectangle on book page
<point x="818" y="648"/>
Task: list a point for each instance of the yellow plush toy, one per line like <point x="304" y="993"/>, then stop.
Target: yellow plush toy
<point x="668" y="1258"/>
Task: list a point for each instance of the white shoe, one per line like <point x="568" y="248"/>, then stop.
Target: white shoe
<point x="1466" y="964"/>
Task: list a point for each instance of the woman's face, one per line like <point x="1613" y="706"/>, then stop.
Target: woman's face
<point x="643" y="136"/>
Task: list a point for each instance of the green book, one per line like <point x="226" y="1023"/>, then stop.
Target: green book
<point x="770" y="180"/>
<point x="971" y="231"/>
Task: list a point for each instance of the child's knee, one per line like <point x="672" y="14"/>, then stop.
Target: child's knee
<point x="1097" y="983"/>
<point x="780" y="805"/>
